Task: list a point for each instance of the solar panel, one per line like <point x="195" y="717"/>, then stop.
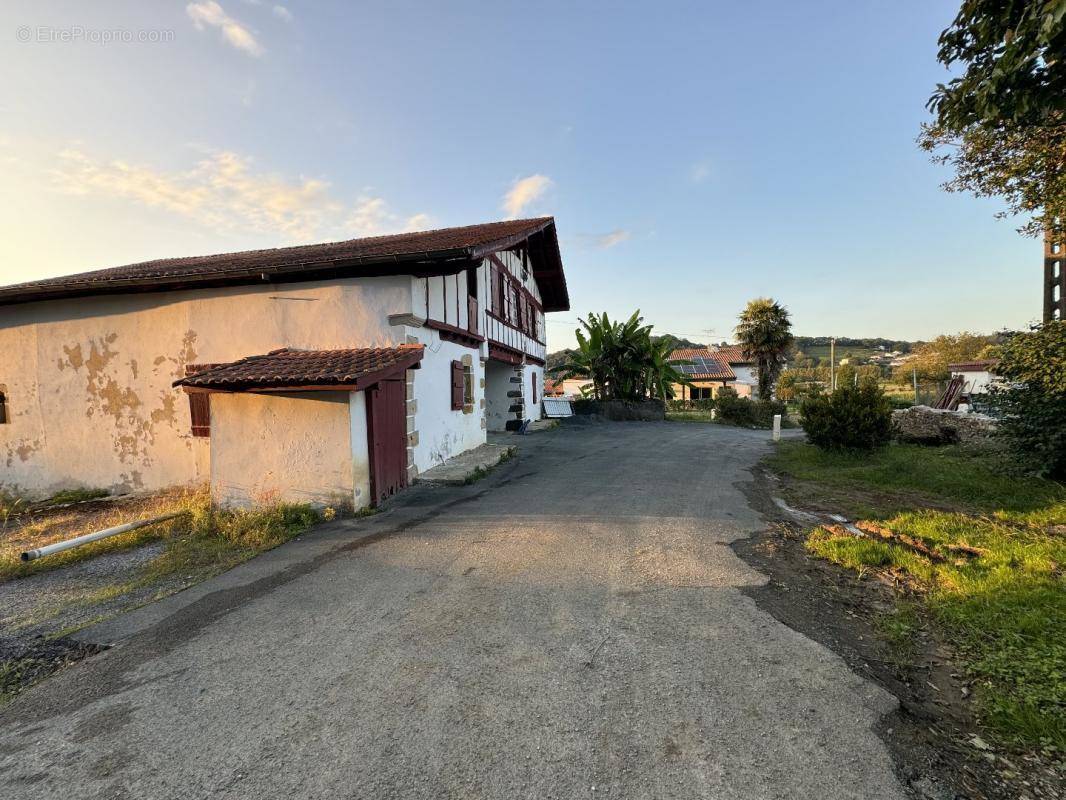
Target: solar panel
<point x="700" y="366"/>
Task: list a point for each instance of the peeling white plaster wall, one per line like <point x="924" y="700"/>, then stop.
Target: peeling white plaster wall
<point x="293" y="448"/>
<point x="442" y="432"/>
<point x="360" y="450"/>
<point x="89" y="379"/>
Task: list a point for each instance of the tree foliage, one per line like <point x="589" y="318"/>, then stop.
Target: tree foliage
<point x="765" y="332"/>
<point x="1001" y="124"/>
<point x="1031" y="400"/>
<point x="622" y="360"/>
<point x="1013" y="56"/>
<point x="1026" y="166"/>
<point x="931" y="359"/>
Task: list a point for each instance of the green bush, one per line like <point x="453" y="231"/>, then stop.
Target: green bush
<point x="898" y="402"/>
<point x="851" y="418"/>
<point x="1031" y="401"/>
<point x="689" y="405"/>
<point x="585" y="405"/>
<point x="747" y="413"/>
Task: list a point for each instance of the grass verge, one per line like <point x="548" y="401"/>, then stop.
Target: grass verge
<point x="204" y="535"/>
<point x="992" y="579"/>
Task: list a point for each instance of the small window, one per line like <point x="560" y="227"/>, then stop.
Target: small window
<point x="471" y="282"/>
<point x="3" y="408"/>
<point x="468" y="385"/>
<point x="533" y="376"/>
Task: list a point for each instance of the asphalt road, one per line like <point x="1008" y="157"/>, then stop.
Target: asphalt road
<point x="571" y="626"/>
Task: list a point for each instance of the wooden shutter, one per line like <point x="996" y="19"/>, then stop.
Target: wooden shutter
<point x="200" y="412"/>
<point x="457" y="386"/>
<point x="494" y="290"/>
<point x="199" y="403"/>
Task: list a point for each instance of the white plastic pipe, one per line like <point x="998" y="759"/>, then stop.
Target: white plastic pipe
<point x="78" y="541"/>
<point x="777" y="427"/>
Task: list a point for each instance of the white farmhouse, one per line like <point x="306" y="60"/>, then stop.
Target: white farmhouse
<point x="743" y="366"/>
<point x="322" y="373"/>
<point x="977" y="376"/>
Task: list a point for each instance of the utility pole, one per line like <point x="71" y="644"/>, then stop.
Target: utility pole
<point x="914" y="377"/>
<point x="832" y="363"/>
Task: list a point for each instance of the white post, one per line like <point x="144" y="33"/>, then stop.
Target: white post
<point x="777" y="427"/>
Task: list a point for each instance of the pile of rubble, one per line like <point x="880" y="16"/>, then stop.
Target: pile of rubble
<point x="925" y="425"/>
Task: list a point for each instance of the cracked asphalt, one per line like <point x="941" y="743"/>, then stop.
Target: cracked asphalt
<point x="571" y="626"/>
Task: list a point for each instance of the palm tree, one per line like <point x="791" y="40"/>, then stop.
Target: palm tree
<point x="765" y="332"/>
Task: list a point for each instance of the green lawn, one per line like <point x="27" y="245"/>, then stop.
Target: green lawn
<point x="998" y="595"/>
<point x="689" y="416"/>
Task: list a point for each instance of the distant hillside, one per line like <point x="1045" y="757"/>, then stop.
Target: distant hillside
<point x="816" y="347"/>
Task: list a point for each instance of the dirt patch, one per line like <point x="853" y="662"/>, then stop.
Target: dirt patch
<point x="24" y="663"/>
<point x="936" y="744"/>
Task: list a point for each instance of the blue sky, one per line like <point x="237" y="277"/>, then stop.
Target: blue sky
<point x="695" y="155"/>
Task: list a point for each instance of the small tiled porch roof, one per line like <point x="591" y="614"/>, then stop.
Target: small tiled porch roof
<point x="289" y="369"/>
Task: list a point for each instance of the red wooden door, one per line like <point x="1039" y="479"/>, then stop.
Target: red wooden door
<point x="386" y="422"/>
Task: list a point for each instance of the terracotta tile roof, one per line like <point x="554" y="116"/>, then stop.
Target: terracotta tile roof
<point x="376" y="255"/>
<point x="305" y="368"/>
<point x="733" y="354"/>
<point x="978" y="365"/>
<point x="705" y="365"/>
<point x="686" y="353"/>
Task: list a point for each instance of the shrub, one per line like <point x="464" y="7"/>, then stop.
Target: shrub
<point x="585" y="405"/>
<point x="898" y="402"/>
<point x="851" y="418"/>
<point x="747" y="413"/>
<point x="689" y="405"/>
<point x="1031" y="403"/>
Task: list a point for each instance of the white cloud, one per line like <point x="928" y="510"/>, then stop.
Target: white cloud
<point x="611" y="239"/>
<point x="222" y="192"/>
<point x="210" y="13"/>
<point x="700" y="171"/>
<point x="523" y="192"/>
<point x="282" y="13"/>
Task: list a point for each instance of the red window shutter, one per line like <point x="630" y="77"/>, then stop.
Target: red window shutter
<point x="200" y="412"/>
<point x="494" y="293"/>
<point x="199" y="403"/>
<point x="457" y="386"/>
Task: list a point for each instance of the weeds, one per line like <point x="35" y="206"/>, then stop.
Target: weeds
<point x="478" y="473"/>
<point x="204" y="536"/>
<point x="75" y="496"/>
<point x="997" y="595"/>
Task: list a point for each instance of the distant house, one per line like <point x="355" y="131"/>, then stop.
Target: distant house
<point x="743" y="366"/>
<point x="324" y="373"/>
<point x="707" y="371"/>
<point x="978" y="376"/>
<point x="571" y="388"/>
